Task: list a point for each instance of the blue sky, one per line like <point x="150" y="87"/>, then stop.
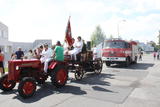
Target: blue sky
<point x="47" y="19"/>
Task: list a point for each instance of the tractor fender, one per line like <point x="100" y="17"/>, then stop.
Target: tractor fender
<point x="52" y="65"/>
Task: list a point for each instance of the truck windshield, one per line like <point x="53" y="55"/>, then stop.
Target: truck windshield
<point x="115" y="44"/>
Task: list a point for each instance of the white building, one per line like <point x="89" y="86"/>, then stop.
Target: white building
<point x="146" y="47"/>
<point x="5" y="45"/>
<point x="26" y="46"/>
<point x="9" y="47"/>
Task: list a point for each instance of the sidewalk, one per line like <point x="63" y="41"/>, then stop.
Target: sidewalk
<point x="147" y="91"/>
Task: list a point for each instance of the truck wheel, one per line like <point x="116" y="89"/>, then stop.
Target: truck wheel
<point x="59" y="76"/>
<point x="27" y="87"/>
<point x="135" y="60"/>
<point x="79" y="73"/>
<point x="108" y="64"/>
<point x="127" y="62"/>
<point x="99" y="66"/>
<point x="6" y="85"/>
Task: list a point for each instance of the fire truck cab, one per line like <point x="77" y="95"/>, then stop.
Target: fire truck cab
<point x="120" y="52"/>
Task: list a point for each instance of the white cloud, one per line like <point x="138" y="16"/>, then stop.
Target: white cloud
<point x="37" y="19"/>
<point x="143" y="28"/>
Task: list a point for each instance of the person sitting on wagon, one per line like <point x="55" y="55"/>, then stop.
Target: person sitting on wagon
<point x="57" y="55"/>
<point x="94" y="52"/>
<point x="84" y="51"/>
<point x="77" y="48"/>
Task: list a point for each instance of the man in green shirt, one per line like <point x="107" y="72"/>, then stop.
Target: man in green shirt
<point x="58" y="52"/>
<point x="57" y="55"/>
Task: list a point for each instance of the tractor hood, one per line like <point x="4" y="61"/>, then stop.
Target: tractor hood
<point x="15" y="65"/>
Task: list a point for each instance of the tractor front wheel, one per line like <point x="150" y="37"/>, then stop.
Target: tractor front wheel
<point x="27" y="87"/>
<point x="6" y="85"/>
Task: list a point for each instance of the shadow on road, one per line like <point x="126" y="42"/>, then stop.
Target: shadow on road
<point x="97" y="88"/>
<point x="138" y="66"/>
<point x="94" y="79"/>
<point x="14" y="91"/>
<point x="48" y="89"/>
<point x="72" y="90"/>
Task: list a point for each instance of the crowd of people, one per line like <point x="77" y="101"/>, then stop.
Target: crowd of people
<point x="1" y="63"/>
<point x="56" y="52"/>
<point x="39" y="52"/>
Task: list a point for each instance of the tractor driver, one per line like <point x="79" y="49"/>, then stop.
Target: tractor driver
<point x="58" y="52"/>
<point x="57" y="55"/>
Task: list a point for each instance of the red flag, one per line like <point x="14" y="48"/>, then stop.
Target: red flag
<point x="68" y="36"/>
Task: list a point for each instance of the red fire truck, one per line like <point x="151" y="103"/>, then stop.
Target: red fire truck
<point x="120" y="52"/>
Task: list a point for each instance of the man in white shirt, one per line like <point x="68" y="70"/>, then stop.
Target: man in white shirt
<point x="46" y="56"/>
<point x="94" y="52"/>
<point x="77" y="48"/>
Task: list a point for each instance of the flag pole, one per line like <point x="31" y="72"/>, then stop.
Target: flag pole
<point x="66" y="28"/>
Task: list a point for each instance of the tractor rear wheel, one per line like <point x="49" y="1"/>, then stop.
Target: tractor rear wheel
<point x="6" y="85"/>
<point x="59" y="76"/>
<point x="135" y="61"/>
<point x="27" y="87"/>
<point x="126" y="64"/>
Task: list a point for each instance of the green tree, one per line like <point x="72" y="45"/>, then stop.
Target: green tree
<point x="97" y="36"/>
<point x="111" y="37"/>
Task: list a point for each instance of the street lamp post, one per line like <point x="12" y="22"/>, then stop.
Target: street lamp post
<point x="118" y="27"/>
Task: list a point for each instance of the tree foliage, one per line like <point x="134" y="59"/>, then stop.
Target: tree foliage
<point x="97" y="36"/>
<point x="111" y="37"/>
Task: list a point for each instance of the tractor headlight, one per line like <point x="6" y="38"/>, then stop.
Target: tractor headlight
<point x="17" y="67"/>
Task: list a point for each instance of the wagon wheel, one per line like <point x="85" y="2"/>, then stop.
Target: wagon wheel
<point x="79" y="73"/>
<point x="6" y="85"/>
<point x="27" y="87"/>
<point x="98" y="66"/>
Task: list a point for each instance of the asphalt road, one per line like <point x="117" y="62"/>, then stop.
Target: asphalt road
<point x="134" y="86"/>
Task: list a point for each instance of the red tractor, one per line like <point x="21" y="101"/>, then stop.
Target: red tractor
<point x="30" y="72"/>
